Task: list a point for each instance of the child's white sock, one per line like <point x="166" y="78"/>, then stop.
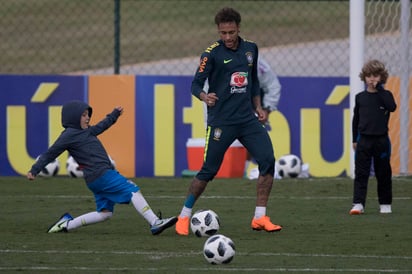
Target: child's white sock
<point x="139" y="202"/>
<point x="88" y="219"/>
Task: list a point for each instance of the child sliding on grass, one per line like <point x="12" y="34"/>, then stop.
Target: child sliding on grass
<point x="108" y="186"/>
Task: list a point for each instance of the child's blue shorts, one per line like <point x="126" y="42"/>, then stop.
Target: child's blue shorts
<point x="110" y="189"/>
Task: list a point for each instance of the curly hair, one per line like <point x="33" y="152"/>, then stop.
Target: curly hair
<point x="227" y="15"/>
<point x="374" y="67"/>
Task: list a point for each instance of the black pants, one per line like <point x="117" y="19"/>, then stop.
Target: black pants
<point x="377" y="148"/>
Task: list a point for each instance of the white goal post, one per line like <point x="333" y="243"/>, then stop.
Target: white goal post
<point x="382" y="30"/>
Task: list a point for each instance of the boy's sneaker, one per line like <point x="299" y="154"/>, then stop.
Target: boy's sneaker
<point x="264" y="223"/>
<point x="386" y="209"/>
<point x="182" y="226"/>
<point x="162" y="224"/>
<point x="357" y="209"/>
<point x="61" y="224"/>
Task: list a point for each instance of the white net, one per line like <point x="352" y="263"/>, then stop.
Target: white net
<point x="388" y="38"/>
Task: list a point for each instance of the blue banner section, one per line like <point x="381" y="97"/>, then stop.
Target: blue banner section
<point x="145" y="122"/>
<point x="26" y="102"/>
<point x="312" y="94"/>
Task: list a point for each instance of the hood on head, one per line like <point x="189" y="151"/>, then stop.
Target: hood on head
<point x="71" y="113"/>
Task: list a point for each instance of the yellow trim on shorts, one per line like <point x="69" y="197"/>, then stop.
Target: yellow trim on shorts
<point x="208" y="131"/>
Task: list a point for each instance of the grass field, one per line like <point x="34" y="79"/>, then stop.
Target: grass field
<point x="319" y="235"/>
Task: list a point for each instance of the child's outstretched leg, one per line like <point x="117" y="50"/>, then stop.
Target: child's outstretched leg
<point x="156" y="225"/>
<point x="67" y="222"/>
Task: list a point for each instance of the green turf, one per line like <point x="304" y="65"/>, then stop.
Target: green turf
<point x="319" y="235"/>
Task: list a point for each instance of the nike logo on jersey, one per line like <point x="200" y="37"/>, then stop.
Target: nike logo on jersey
<point x="227" y="61"/>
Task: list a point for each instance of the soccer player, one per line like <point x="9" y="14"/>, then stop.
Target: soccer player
<point x="370" y="137"/>
<point x="270" y="90"/>
<point x="230" y="65"/>
<point x="108" y="186"/>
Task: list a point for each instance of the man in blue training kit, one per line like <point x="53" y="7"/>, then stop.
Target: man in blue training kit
<point x="108" y="186"/>
<point x="230" y="65"/>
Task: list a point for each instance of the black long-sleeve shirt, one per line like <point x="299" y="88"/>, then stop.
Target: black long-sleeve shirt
<point x="371" y="113"/>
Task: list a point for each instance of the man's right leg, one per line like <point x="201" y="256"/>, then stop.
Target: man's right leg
<point x="214" y="153"/>
<point x="195" y="190"/>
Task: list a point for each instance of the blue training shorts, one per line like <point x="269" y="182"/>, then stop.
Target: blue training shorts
<point x="253" y="136"/>
<point x="110" y="189"/>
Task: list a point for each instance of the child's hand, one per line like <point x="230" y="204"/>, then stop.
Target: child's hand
<point x="30" y="176"/>
<point x="120" y="109"/>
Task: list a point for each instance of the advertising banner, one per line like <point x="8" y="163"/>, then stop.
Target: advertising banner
<point x="30" y="108"/>
<point x="161" y="115"/>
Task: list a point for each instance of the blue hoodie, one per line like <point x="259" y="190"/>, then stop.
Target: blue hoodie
<point x="82" y="144"/>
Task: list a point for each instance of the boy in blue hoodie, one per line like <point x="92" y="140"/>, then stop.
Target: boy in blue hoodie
<point x="108" y="185"/>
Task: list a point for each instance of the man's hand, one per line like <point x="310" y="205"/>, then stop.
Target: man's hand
<point x="209" y="98"/>
<point x="262" y="114"/>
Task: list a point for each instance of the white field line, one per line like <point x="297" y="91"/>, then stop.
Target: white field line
<point x="160" y="255"/>
<point x="206" y="269"/>
<point x="217" y="197"/>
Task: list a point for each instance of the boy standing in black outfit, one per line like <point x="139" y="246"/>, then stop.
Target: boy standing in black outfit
<point x="370" y="137"/>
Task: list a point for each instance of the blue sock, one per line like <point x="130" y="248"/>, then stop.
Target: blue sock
<point x="190" y="201"/>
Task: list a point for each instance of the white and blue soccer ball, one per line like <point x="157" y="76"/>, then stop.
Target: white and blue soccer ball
<point x="219" y="249"/>
<point x="288" y="166"/>
<point x="73" y="168"/>
<point x="205" y="223"/>
<point x="51" y="169"/>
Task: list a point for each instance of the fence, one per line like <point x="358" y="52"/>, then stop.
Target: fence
<point x="302" y="38"/>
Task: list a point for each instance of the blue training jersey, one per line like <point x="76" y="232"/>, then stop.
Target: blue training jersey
<point x="232" y="75"/>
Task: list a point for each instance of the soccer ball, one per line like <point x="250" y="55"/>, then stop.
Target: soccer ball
<point x="50" y="169"/>
<point x="289" y="166"/>
<point x="204" y="223"/>
<point x="219" y="249"/>
<point x="73" y="169"/>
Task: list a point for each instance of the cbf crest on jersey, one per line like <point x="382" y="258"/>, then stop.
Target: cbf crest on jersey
<point x="217" y="133"/>
<point x="249" y="57"/>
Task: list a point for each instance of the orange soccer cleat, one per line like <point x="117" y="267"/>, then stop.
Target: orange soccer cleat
<point x="264" y="223"/>
<point x="182" y="226"/>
